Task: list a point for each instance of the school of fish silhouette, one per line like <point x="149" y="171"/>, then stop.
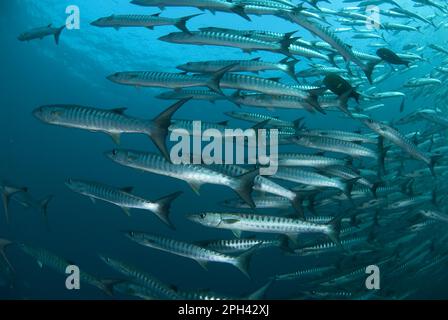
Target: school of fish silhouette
<point x="373" y="194"/>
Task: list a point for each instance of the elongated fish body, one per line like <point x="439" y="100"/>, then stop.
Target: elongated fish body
<point x="257" y="118"/>
<point x="307" y="53"/>
<point x="123" y="198"/>
<point x="261" y="202"/>
<point x="194" y="175"/>
<point x="108" y="121"/>
<point x="146" y="21"/>
<point x="262" y="224"/>
<point x="40" y="33"/>
<point x="211" y="5"/>
<point x="434" y="117"/>
<point x="48" y="259"/>
<point x="192" y="251"/>
<point x="135" y="290"/>
<point x="188" y="126"/>
<point x="239" y="245"/>
<point x="421" y="82"/>
<point x="153" y="286"/>
<point x="255" y="65"/>
<point x="307" y="160"/>
<point x="334" y="145"/>
<point x="305" y="274"/>
<point x="399" y="27"/>
<point x="158" y="79"/>
<point x="221" y="39"/>
<point x="341" y="135"/>
<point x="278" y="102"/>
<point x="262" y="85"/>
<point x="328" y="36"/>
<point x="191" y="93"/>
<point x="308" y="178"/>
<point x="398" y="139"/>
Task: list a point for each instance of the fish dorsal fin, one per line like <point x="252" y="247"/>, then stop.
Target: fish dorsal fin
<point x="256" y="59"/>
<point x="119" y="110"/>
<point x="127" y="189"/>
<point x="224" y="123"/>
<point x="156" y="14"/>
<point x="275" y="79"/>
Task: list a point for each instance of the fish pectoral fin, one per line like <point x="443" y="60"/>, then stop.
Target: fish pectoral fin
<point x="237" y="233"/>
<point x="195" y="187"/>
<point x="293" y="238"/>
<point x="203" y="264"/>
<point x="127" y="211"/>
<point x="115" y="137"/>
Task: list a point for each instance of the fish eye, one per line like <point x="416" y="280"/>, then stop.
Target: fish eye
<point x="115" y="152"/>
<point x="202" y="215"/>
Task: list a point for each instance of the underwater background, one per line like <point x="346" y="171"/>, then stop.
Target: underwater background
<point x="42" y="157"/>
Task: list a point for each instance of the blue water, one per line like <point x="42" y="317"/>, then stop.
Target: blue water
<point x="42" y="157"/>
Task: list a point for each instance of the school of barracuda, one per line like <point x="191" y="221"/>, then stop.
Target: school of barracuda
<point x="374" y="196"/>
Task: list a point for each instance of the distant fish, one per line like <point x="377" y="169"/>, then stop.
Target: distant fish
<point x="124" y="199"/>
<point x="42" y="32"/>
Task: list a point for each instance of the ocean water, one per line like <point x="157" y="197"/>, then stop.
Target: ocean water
<point x="42" y="157"/>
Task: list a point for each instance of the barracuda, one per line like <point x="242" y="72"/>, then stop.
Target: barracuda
<point x="154" y="287"/>
<point x="124" y="199"/>
<point x="246" y="44"/>
<point x="328" y="36"/>
<point x="254" y="65"/>
<point x="340" y="135"/>
<point x="180" y="94"/>
<point x="210" y="5"/>
<point x="192" y="251"/>
<point x="146" y="21"/>
<point x="261" y="202"/>
<point x="307" y="160"/>
<point x="304" y="274"/>
<point x="194" y="175"/>
<point x="334" y="145"/>
<point x="112" y="122"/>
<point x="242" y="245"/>
<point x="266" y="224"/>
<point x="259" y="118"/>
<point x="42" y="32"/>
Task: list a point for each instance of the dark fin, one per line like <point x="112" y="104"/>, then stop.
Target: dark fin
<point x="343" y="102"/>
<point x="434" y="159"/>
<point x="314" y="102"/>
<point x="43" y="205"/>
<point x="224" y="123"/>
<point x="331" y="57"/>
<point x="284" y="244"/>
<point x="164" y="208"/>
<point x="298" y="123"/>
<point x="239" y="10"/>
<point x="402" y="105"/>
<point x="243" y="260"/>
<point x="245" y="185"/>
<point x="261" y="125"/>
<point x="334" y="231"/>
<point x="375" y="187"/>
<point x="348" y="187"/>
<point x="259" y="294"/>
<point x="156" y="14"/>
<point x="297" y="204"/>
<point x="162" y="122"/>
<point x="4" y="243"/>
<point x="368" y="70"/>
<point x="290" y="68"/>
<point x="57" y="35"/>
<point x="216" y="77"/>
<point x="119" y="110"/>
<point x="181" y="24"/>
<point x="8" y="192"/>
<point x="127" y="189"/>
<point x="256" y="59"/>
<point x="107" y="285"/>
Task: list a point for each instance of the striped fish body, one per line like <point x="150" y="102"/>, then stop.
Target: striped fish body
<point x="158" y="79"/>
<point x="92" y="119"/>
<point x="234" y="246"/>
<point x="341" y="135"/>
<point x="191" y="93"/>
<point x="134" y="20"/>
<point x="255" y="65"/>
<point x="307" y="52"/>
<point x="264" y="202"/>
<point x="307" y="160"/>
<point x="308" y="178"/>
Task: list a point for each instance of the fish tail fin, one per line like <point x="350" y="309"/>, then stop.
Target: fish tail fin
<point x="260" y="292"/>
<point x="433" y="161"/>
<point x="181" y="24"/>
<point x="348" y="187"/>
<point x="159" y="132"/>
<point x="244" y="186"/>
<point x="8" y="192"/>
<point x="284" y="244"/>
<point x="43" y="205"/>
<point x="4" y="243"/>
<point x="242" y="262"/>
<point x="57" y="35"/>
<point x="368" y="70"/>
<point x="163" y="211"/>
<point x="239" y="9"/>
<point x="334" y="230"/>
<point x="215" y="79"/>
<point x="289" y="67"/>
<point x="297" y="204"/>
